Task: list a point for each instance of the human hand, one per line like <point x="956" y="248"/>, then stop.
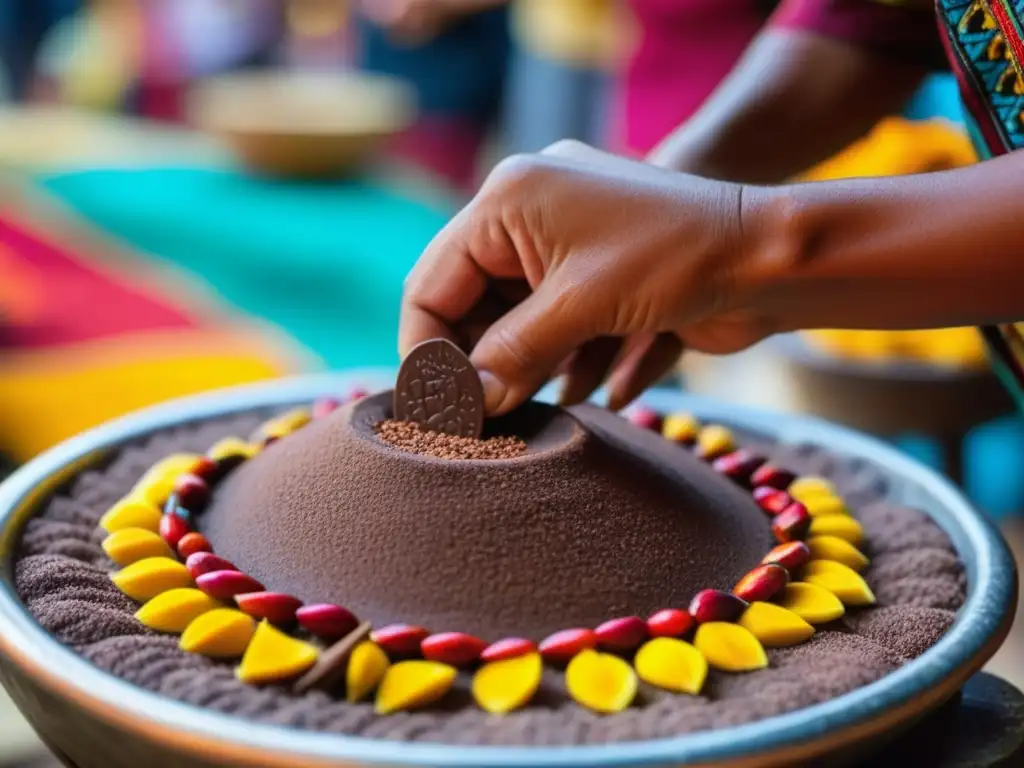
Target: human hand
<point x="580" y="261"/>
<point x="414" y="22"/>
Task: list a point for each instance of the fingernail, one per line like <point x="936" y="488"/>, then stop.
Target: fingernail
<point x="494" y="391"/>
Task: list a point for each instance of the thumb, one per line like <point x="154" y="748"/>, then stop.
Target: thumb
<point x="520" y="352"/>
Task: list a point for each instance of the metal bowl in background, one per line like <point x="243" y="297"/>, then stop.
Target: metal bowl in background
<point x="97" y="720"/>
<point x="303" y="124"/>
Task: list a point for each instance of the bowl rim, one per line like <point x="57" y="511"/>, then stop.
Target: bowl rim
<point x="980" y="627"/>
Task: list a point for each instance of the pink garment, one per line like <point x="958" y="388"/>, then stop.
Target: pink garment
<point x="685" y="49"/>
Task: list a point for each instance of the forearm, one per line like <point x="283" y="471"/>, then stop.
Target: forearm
<point x="933" y="250"/>
<point x="794" y="100"/>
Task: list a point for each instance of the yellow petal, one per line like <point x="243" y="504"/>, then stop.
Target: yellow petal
<point x="825" y="505"/>
<point x="175" y="609"/>
<point x="714" y="440"/>
<point x="672" y="664"/>
<point x="223" y="633"/>
<point x="273" y="656"/>
<point x="812" y="603"/>
<point x="413" y="684"/>
<point x="807" y="487"/>
<point x="156" y="485"/>
<point x="600" y="681"/>
<point x="286" y="423"/>
<point x="841" y="580"/>
<point x="774" y="626"/>
<point x="840" y="550"/>
<point x="503" y="686"/>
<point x="145" y="579"/>
<point x="129" y="545"/>
<point x="131" y="513"/>
<point x="730" y="647"/>
<point x="366" y="668"/>
<point x="231" y="446"/>
<point x="841" y="526"/>
<point x="680" y="428"/>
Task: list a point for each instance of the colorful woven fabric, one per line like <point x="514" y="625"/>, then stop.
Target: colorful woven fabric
<point x="86" y="335"/>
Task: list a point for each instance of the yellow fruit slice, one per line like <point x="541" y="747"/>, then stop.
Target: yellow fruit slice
<point x="129" y="545"/>
<point x="841" y="580"/>
<point x="131" y="513"/>
<point x="503" y="686"/>
<point x="812" y="603"/>
<point x="272" y="656"/>
<point x="774" y="626"/>
<point x="730" y="647"/>
<point x="413" y="684"/>
<point x="804" y="488"/>
<point x="841" y="526"/>
<point x="600" y="681"/>
<point x="822" y="504"/>
<point x="366" y="668"/>
<point x="286" y="423"/>
<point x="145" y="579"/>
<point x="839" y="550"/>
<point x="680" y="428"/>
<point x="714" y="440"/>
<point x="672" y="664"/>
<point x="175" y="609"/>
<point x="232" y="446"/>
<point x="223" y="633"/>
<point x="156" y="485"/>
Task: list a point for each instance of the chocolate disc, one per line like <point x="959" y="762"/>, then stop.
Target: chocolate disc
<point x="440" y="390"/>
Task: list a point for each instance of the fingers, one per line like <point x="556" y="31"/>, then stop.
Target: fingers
<point x="449" y="280"/>
<point x="519" y="353"/>
<point x="588" y="368"/>
<point x="642" y="366"/>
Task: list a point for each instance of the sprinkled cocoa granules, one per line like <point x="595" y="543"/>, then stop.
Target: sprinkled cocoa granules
<point x="409" y="437"/>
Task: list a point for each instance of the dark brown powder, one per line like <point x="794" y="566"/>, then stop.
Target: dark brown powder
<point x="411" y="438"/>
<point x="62" y="577"/>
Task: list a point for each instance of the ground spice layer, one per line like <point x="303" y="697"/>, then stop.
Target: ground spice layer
<point x="62" y="575"/>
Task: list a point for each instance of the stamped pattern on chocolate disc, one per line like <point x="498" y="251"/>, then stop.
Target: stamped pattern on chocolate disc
<point x="439" y="389"/>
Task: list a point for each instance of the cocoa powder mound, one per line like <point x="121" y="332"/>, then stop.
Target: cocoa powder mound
<point x="61" y="575"/>
<point x="409" y="437"/>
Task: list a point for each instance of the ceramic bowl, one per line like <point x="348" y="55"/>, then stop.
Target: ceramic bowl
<point x="303" y="125"/>
<point x="96" y="720"/>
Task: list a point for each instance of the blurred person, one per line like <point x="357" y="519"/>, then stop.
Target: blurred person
<point x="455" y="54"/>
<point x="24" y="25"/>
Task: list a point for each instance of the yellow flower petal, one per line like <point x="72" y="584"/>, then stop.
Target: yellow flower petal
<point x="680" y="428"/>
<point x="730" y="647"/>
<point x="156" y="485"/>
<point x="223" y="633"/>
<point x="145" y="579"/>
<point x="131" y="513"/>
<point x="841" y="526"/>
<point x="503" y="686"/>
<point x="413" y="684"/>
<point x="273" y="656"/>
<point x="825" y="505"/>
<point x="129" y="545"/>
<point x="841" y="580"/>
<point x="600" y="681"/>
<point x="807" y="487"/>
<point x="366" y="668"/>
<point x="175" y="609"/>
<point x="840" y="550"/>
<point x="812" y="603"/>
<point x="672" y="664"/>
<point x="774" y="626"/>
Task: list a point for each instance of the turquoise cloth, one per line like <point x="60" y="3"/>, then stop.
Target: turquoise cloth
<point x="325" y="262"/>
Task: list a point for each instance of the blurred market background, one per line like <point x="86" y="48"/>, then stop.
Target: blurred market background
<point x="198" y="193"/>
